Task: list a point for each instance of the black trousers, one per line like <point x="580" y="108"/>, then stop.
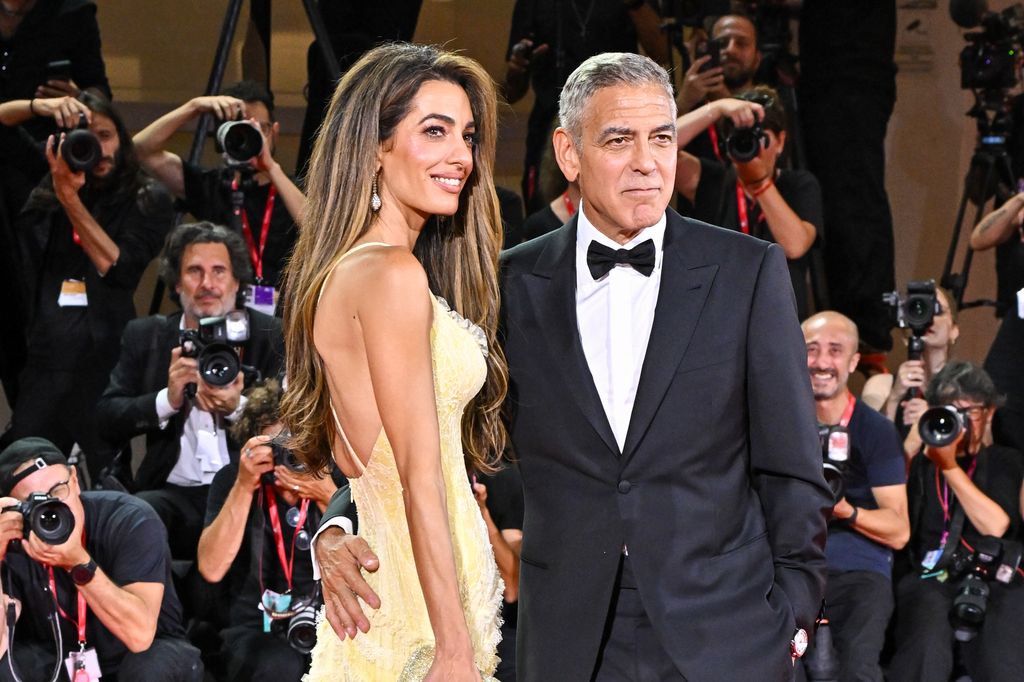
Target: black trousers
<point x="858" y="605"/>
<point x="252" y="655"/>
<point x="630" y="650"/>
<point x="182" y="509"/>
<point x="168" y="659"/>
<point x="924" y="636"/>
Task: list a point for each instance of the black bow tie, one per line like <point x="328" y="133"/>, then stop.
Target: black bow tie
<point x="601" y="259"/>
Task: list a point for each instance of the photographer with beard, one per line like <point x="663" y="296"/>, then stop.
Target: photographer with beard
<point x="260" y="518"/>
<point x="869" y="520"/>
<point x="959" y="494"/>
<point x="85" y="238"/>
<point x="271" y="206"/>
<point x="204" y="266"/>
<point x="107" y="586"/>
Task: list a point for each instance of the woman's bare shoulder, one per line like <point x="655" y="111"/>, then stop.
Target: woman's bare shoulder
<point x="379" y="276"/>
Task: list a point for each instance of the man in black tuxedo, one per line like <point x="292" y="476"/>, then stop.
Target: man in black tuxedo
<point x="660" y="410"/>
<point x="186" y="438"/>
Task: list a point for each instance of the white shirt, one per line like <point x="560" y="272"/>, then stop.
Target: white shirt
<point x="614" y="315"/>
<point x="204" y="445"/>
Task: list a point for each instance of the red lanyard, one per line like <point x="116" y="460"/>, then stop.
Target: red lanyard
<point x="713" y="134"/>
<point x="851" y="402"/>
<point x="741" y="207"/>
<point x="944" y="497"/>
<point x="275" y="524"/>
<point x="568" y="203"/>
<point x="256" y="255"/>
<point x="81" y="605"/>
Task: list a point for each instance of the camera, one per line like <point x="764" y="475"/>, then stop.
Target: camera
<point x="239" y="141"/>
<point x="302" y="628"/>
<point x="835" y="453"/>
<point x="991" y="559"/>
<point x="212" y="344"/>
<point x="940" y="426"/>
<point x="915" y="311"/>
<point x="744" y="144"/>
<point x="283" y="456"/>
<point x="48" y="517"/>
<point x="81" y="149"/>
<point x="988" y="61"/>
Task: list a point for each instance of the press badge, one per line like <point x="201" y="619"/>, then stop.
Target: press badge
<point x="72" y="293"/>
<point x="931" y="559"/>
<point x="271" y="603"/>
<point x="261" y="298"/>
<point x="83" y="666"/>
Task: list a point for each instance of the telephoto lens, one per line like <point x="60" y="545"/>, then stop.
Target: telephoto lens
<point x="744" y="144"/>
<point x="240" y="140"/>
<point x="940" y="426"/>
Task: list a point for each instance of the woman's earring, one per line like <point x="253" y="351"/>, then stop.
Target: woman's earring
<point x="374" y="195"/>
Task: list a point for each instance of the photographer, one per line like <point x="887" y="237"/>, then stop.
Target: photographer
<point x="242" y="535"/>
<point x="547" y="41"/>
<point x="205" y="266"/>
<point x="869" y="519"/>
<point x="755" y="196"/>
<point x="959" y="494"/>
<point x="1002" y="230"/>
<point x="106" y="583"/>
<point x="271" y="204"/>
<point x="86" y="235"/>
<point x="890" y="393"/>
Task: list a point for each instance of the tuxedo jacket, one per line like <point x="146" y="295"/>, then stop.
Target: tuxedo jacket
<point x="718" y="491"/>
<point x="128" y="405"/>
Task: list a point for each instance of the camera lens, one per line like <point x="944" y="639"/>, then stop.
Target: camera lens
<point x="240" y="140"/>
<point x="940" y="426"/>
<point x="52" y="521"/>
<point x="81" y="150"/>
<point x="218" y="364"/>
<point x="744" y="144"/>
<point x="302" y="630"/>
<point x="834" y="478"/>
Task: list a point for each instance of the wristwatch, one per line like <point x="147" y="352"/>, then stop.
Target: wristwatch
<point x="798" y="645"/>
<point x="82" y="574"/>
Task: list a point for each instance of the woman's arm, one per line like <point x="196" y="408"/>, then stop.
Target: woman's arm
<point x="997" y="226"/>
<point x="396" y="315"/>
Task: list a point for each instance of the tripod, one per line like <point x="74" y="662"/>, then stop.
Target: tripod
<point x="260" y="13"/>
<point x="990" y="168"/>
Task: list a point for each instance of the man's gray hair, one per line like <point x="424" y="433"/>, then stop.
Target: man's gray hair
<point x="602" y="71"/>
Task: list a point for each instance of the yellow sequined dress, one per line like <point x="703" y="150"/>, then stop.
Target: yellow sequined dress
<point x="400" y="629"/>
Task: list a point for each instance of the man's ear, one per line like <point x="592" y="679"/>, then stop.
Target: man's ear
<point x="854" y="361"/>
<point x="566" y="154"/>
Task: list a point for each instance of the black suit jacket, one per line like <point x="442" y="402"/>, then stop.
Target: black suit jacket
<point x="718" y="492"/>
<point x="128" y="406"/>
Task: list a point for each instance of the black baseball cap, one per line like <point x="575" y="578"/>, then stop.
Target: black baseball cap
<point x="40" y="451"/>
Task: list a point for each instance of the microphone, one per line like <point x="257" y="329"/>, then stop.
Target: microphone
<point x="967" y="13"/>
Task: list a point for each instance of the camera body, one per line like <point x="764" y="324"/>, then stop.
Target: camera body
<point x="239" y="142"/>
<point x="744" y="144"/>
<point x="916" y="311"/>
<point x="992" y="559"/>
<point x="283" y="457"/>
<point x="988" y="61"/>
<point x="213" y="346"/>
<point x="940" y="426"/>
<point x="81" y="149"/>
<point x="835" y="454"/>
<point x="48" y="517"/>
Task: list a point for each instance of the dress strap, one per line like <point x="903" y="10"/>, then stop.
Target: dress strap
<point x="349" y="451"/>
<point x="340" y="258"/>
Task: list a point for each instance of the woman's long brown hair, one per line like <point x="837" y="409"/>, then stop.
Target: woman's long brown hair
<point x="459" y="254"/>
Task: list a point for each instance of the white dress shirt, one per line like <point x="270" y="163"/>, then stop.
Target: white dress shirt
<point x="614" y="315"/>
<point x="204" y="445"/>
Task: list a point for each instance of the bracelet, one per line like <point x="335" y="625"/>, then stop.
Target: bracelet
<point x="31" y="106"/>
<point x="852" y="519"/>
<point x="763" y="188"/>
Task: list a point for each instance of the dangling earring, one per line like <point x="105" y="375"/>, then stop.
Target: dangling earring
<point x="374" y="195"/>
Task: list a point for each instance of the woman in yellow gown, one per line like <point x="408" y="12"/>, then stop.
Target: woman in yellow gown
<point x="402" y="219"/>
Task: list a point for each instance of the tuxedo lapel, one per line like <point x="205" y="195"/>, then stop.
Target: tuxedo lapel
<point x="552" y="291"/>
<point x="686" y="280"/>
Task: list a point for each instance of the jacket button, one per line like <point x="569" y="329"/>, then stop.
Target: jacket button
<point x="625" y="487"/>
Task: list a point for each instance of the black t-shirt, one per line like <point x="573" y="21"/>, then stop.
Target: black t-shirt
<point x="715" y="202"/>
<point x="208" y="198"/>
<point x="127" y="540"/>
<point x="998" y="474"/>
<point x="257" y="557"/>
<point x="876" y="460"/>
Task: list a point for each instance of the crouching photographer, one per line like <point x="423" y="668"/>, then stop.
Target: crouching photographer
<point x="864" y="466"/>
<point x="260" y="519"/>
<point x="964" y="495"/>
<point x="86" y="586"/>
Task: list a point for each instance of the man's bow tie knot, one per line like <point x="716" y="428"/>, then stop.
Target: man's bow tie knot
<point x="601" y="259"/>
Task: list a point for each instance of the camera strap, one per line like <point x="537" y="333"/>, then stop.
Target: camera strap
<point x="256" y="255"/>
<point x="82" y="609"/>
<point x="954" y="524"/>
<point x="275" y="525"/>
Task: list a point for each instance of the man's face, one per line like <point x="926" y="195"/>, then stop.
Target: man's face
<point x="269" y="128"/>
<point x="737" y="37"/>
<point x="831" y="358"/>
<point x="57" y="480"/>
<point x="626" y="160"/>
<point x="106" y="132"/>
<point x="207" y="285"/>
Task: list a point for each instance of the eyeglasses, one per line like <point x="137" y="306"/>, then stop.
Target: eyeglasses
<point x="60" y="490"/>
<point x="973" y="411"/>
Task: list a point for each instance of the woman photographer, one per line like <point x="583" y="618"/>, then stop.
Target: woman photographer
<point x="266" y="542"/>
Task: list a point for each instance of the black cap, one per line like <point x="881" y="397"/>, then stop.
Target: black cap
<point x="41" y="451"/>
